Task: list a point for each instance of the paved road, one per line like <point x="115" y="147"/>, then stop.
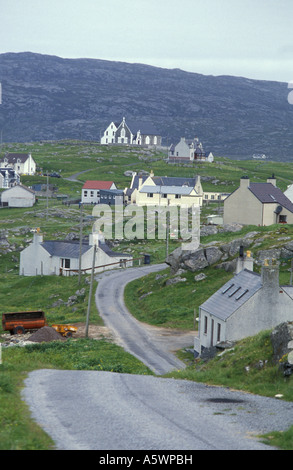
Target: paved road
<point x="91" y="410"/>
<point x="139" y="339"/>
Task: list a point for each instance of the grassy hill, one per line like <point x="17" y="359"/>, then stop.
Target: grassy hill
<point x="171" y="306"/>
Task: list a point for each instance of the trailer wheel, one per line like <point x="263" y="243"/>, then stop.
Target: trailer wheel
<point x="68" y="334"/>
<point x="18" y="330"/>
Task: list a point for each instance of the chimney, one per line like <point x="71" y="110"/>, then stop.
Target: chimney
<point x="38" y="237"/>
<point x="272" y="180"/>
<point x="270" y="275"/>
<point x="244" y="182"/>
<point x="244" y="261"/>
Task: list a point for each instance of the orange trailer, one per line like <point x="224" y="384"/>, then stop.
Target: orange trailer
<point x="20" y="322"/>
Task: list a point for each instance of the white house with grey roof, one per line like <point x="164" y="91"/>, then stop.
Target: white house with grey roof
<point x="244" y="306"/>
<point x="62" y="257"/>
<point x="165" y="191"/>
<point x="22" y="163"/>
<point x="134" y="132"/>
<point x="189" y="150"/>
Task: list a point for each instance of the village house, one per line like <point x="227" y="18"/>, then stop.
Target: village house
<point x="8" y="178"/>
<point x="18" y="196"/>
<point x="244" y="306"/>
<point x="189" y="150"/>
<point x="131" y="133"/>
<point x="164" y="191"/>
<point x="22" y="163"/>
<point x="47" y="258"/>
<point x="91" y="191"/>
<point x="257" y="204"/>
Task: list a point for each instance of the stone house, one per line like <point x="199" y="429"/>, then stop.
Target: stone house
<point x="90" y="193"/>
<point x="132" y="133"/>
<point x="62" y="257"/>
<point x="22" y="163"/>
<point x="165" y="191"/>
<point x="18" y="196"/>
<point x="258" y="204"/>
<point x="244" y="306"/>
<point x="189" y="150"/>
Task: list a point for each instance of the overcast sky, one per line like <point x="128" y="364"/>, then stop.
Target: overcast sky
<point x="250" y="38"/>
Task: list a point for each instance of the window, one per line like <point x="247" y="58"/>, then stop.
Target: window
<point x="92" y="194"/>
<point x="164" y="195"/>
<point x="219" y="332"/>
<point x="205" y="325"/>
<point x="150" y="195"/>
<point x="177" y="196"/>
<point x="85" y="193"/>
<point x="65" y="263"/>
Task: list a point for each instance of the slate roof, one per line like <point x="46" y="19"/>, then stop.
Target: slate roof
<point x="97" y="184"/>
<point x="174" y="181"/>
<point x="64" y="249"/>
<point x="145" y="128"/>
<point x="13" y="157"/>
<point x="183" y="190"/>
<point x="268" y="193"/>
<point x="236" y="292"/>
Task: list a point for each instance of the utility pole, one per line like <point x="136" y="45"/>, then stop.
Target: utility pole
<point x="80" y="244"/>
<point x="47" y="196"/>
<point x="90" y="294"/>
<point x="167" y="229"/>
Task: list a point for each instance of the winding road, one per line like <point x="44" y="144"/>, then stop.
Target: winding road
<point x="92" y="410"/>
<point x="153" y="346"/>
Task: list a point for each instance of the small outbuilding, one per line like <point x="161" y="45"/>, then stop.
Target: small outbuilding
<point x="18" y="196"/>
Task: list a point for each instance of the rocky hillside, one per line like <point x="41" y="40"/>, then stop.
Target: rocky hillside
<point x="47" y="97"/>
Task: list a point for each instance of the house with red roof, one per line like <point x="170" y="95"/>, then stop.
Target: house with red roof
<point x="90" y="193"/>
<point x="258" y="204"/>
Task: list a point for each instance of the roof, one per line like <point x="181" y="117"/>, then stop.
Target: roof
<point x="183" y="190"/>
<point x="174" y="181"/>
<point x="64" y="249"/>
<point x="13" y="157"/>
<point x="22" y="186"/>
<point x="268" y="193"/>
<point x="97" y="184"/>
<point x="143" y="126"/>
<point x="236" y="292"/>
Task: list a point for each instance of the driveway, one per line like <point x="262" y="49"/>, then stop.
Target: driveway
<point x="153" y="346"/>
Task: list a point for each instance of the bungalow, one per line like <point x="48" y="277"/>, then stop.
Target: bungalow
<point x="18" y="196"/>
<point x="62" y="257"/>
<point x="22" y="163"/>
<point x="189" y="150"/>
<point x="244" y="306"/>
<point x="164" y="191"/>
<point x="8" y="178"/>
<point x="131" y="133"/>
<point x="90" y="193"/>
<point x="258" y="204"/>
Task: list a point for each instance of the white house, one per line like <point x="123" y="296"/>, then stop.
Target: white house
<point x="22" y="163"/>
<point x="289" y="192"/>
<point x="164" y="191"/>
<point x="8" y="178"/>
<point x="18" y="196"/>
<point x="109" y="134"/>
<point x="189" y="150"/>
<point x="90" y="193"/>
<point x="62" y="257"/>
<point x="131" y="133"/>
<point x="244" y="306"/>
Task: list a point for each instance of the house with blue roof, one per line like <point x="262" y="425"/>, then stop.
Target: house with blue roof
<point x="247" y="304"/>
<point x="61" y="258"/>
<point x="154" y="190"/>
<point x="142" y="133"/>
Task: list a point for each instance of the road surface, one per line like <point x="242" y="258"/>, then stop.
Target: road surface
<point x="91" y="410"/>
<point x="147" y="343"/>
